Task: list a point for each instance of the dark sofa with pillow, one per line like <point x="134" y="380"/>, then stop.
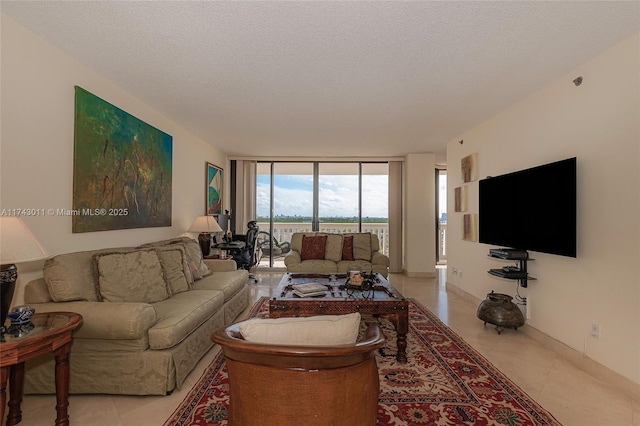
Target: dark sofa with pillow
<point x="321" y="252"/>
<point x="148" y="312"/>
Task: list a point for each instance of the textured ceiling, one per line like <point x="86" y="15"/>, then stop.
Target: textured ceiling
<point x="330" y="78"/>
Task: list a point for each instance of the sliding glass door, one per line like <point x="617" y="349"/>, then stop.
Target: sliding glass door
<point x="338" y="197"/>
<point x="319" y="196"/>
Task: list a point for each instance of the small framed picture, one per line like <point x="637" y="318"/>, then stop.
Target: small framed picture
<point x="214" y="189"/>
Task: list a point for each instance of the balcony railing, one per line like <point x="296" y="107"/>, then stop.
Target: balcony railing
<point x="282" y="231"/>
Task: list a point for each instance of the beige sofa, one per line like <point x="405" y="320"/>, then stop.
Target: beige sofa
<point x="149" y="313"/>
<point x="336" y="253"/>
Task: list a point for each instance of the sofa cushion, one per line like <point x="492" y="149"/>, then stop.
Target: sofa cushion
<point x="70" y="277"/>
<point x="321" y="330"/>
<point x="347" y="247"/>
<point x="193" y="252"/>
<point x="375" y="243"/>
<point x="229" y="283"/>
<point x="173" y="261"/>
<point x="333" y="248"/>
<point x="313" y="247"/>
<point x="296" y="241"/>
<point x="181" y="314"/>
<point x="134" y="276"/>
<point x="362" y="246"/>
<point x="318" y="266"/>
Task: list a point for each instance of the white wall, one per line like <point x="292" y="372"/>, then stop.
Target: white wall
<point x="599" y="123"/>
<point x="36" y="146"/>
<point x="419" y="210"/>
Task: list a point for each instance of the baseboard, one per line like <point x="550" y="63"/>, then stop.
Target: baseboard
<point x="584" y="363"/>
<point x="463" y="293"/>
<point x="575" y="357"/>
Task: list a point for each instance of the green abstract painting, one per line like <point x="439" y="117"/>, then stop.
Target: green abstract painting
<point x="122" y="169"/>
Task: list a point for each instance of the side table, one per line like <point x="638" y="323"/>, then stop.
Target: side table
<point x="52" y="332"/>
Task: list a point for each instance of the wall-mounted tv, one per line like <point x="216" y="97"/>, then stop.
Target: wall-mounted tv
<point x="532" y="209"/>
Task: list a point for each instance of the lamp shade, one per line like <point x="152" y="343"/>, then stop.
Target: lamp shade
<point x="17" y="243"/>
<point x="205" y="224"/>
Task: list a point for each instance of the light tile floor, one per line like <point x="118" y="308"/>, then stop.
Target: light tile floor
<point x="571" y="395"/>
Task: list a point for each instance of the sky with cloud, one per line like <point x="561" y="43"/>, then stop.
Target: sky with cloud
<point x="338" y="195"/>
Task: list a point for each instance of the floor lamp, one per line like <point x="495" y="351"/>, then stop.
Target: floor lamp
<point x="17" y="245"/>
<point x="205" y="225"/>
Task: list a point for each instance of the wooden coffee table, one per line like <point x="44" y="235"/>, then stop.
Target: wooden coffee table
<point x="383" y="300"/>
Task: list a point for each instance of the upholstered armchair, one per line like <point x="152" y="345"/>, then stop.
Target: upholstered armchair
<point x="292" y="385"/>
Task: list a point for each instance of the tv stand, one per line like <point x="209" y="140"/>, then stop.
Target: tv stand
<point x="518" y="273"/>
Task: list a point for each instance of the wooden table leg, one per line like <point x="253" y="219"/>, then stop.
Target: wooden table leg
<point x="16" y="380"/>
<point x="62" y="384"/>
<point x="4" y="377"/>
<point x="401" y="323"/>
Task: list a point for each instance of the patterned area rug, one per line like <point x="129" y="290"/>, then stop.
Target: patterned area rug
<point x="445" y="382"/>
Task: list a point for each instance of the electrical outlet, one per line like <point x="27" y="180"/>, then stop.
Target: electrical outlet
<point x="595" y="330"/>
<point x="460" y="272"/>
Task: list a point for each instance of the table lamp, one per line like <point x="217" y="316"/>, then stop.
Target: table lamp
<point x="17" y="245"/>
<point x="205" y="225"/>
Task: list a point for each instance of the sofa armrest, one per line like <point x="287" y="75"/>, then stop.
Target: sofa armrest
<point x="221" y="265"/>
<point x="106" y="320"/>
<point x="292" y="258"/>
<point x="378" y="258"/>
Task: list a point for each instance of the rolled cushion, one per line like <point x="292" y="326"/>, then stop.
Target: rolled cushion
<point x="321" y="330"/>
<point x="108" y="321"/>
<point x="313" y="247"/>
<point x="135" y="276"/>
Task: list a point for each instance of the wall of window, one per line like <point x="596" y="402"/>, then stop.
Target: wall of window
<point x="319" y="196"/>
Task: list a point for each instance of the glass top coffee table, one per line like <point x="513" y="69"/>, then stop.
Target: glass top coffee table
<point x="377" y="297"/>
<point x="47" y="332"/>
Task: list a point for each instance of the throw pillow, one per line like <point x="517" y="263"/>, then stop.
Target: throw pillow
<point x="194" y="271"/>
<point x="321" y="330"/>
<point x="71" y="277"/>
<point x="313" y="247"/>
<point x="362" y="246"/>
<point x="130" y="277"/>
<point x="333" y="249"/>
<point x="172" y="259"/>
<point x="195" y="253"/>
<point x="347" y="248"/>
<point x="192" y="249"/>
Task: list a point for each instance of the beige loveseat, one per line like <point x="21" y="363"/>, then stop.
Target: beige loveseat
<point x="336" y="253"/>
<point x="149" y="313"/>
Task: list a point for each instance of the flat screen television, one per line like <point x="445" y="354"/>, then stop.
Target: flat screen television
<point x="532" y="209"/>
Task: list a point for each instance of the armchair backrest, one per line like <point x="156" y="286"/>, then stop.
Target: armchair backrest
<point x="294" y="385"/>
